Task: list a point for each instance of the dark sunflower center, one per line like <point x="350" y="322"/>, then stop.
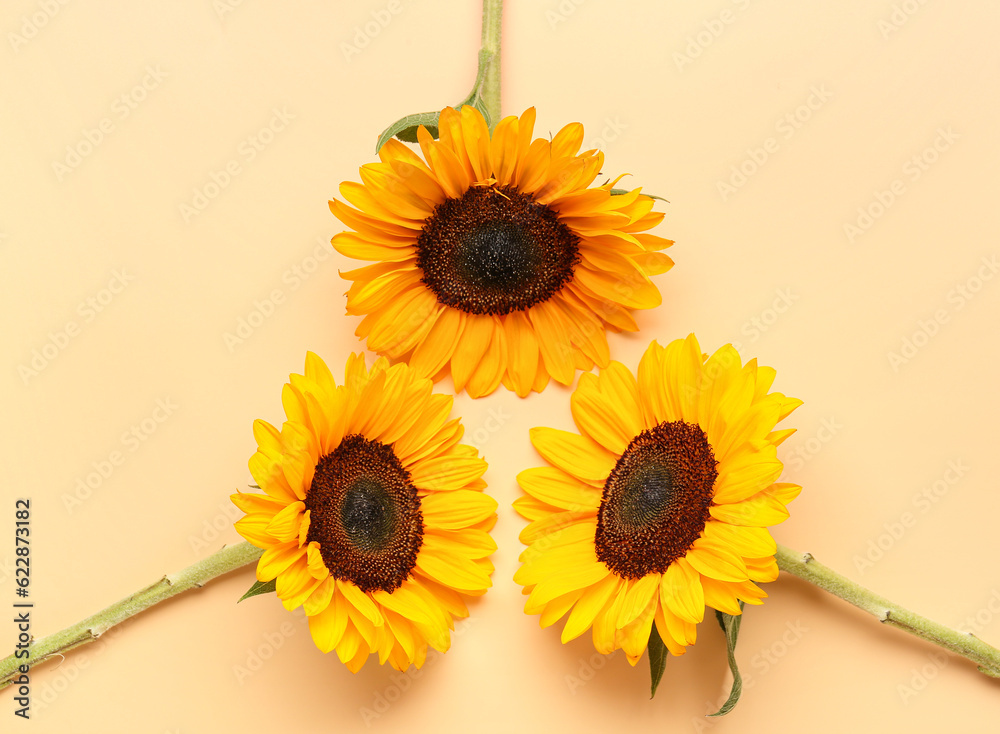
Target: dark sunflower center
<point x="497" y="255"/>
<point x="656" y="499"/>
<point x="494" y="251"/>
<point x="365" y="513"/>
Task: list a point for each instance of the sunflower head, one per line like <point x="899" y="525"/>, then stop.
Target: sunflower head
<point x="495" y="260"/>
<point x="660" y="505"/>
<point x="373" y="517"/>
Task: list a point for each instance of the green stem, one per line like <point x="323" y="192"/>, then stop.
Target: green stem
<point x="88" y="630"/>
<point x="806" y="567"/>
<point x="489" y="56"/>
<point x="485" y="94"/>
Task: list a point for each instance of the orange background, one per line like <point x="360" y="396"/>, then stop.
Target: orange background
<point x="677" y="96"/>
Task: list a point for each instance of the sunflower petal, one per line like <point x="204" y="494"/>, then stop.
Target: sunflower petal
<point x="458" y="509"/>
<point x="328" y="626"/>
<point x="681" y="591"/>
<point x="558" y="488"/>
<point x="576" y="455"/>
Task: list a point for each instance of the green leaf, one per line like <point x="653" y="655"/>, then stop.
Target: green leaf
<point x="406" y="128"/>
<point x="259" y="588"/>
<point x="730" y="624"/>
<point x="619" y="192"/>
<point x="657" y="660"/>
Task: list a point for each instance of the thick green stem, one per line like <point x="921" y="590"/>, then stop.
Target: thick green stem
<point x="806" y="567"/>
<point x="195" y="576"/>
<point x="490" y="55"/>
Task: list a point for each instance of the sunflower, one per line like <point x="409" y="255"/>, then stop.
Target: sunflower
<point x="493" y="260"/>
<point x="373" y="517"/>
<point x="660" y="505"/>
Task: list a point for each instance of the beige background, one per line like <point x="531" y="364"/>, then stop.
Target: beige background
<point x="677" y="94"/>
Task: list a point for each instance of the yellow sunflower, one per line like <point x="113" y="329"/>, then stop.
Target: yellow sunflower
<point x="373" y="518"/>
<point x="660" y="505"/>
<point x="494" y="261"/>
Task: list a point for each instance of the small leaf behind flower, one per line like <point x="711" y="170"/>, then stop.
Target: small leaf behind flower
<point x="657" y="660"/>
<point x="619" y="192"/>
<point x="259" y="588"/>
<point x="406" y="128"/>
<point x="730" y="624"/>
